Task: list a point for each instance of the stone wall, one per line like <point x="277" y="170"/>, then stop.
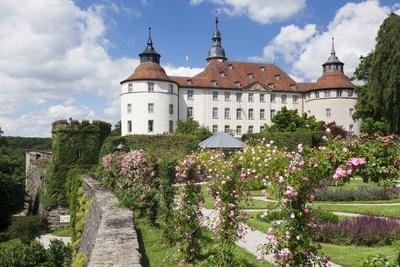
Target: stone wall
<point x="109" y="237"/>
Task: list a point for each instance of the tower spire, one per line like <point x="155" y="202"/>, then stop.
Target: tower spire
<point x="149" y="40"/>
<point x="333" y="46"/>
<point x="216" y="23"/>
<point x="216" y="52"/>
<point x="149" y="54"/>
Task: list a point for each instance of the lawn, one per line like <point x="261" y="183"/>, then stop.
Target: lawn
<point x="156" y="253"/>
<point x="64" y="232"/>
<point x="9" y="243"/>
<point x="254" y="204"/>
<point x="352" y="256"/>
<point x="354" y="185"/>
<point x="386" y="211"/>
<point x="256" y="223"/>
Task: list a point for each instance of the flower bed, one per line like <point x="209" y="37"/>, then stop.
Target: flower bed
<point x="362" y="193"/>
<point x="364" y="231"/>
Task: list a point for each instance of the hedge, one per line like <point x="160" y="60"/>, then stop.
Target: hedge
<point x="163" y="146"/>
<point x="288" y="140"/>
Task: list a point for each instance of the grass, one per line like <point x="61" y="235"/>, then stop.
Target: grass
<point x="256" y="223"/>
<point x="157" y="253"/>
<point x="384" y="211"/>
<point x="353" y="256"/>
<point x="396" y="200"/>
<point x="354" y="185"/>
<point x="10" y="243"/>
<point x="63" y="232"/>
<point x="254" y="204"/>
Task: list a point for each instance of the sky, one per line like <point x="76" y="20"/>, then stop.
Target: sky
<point x="61" y="59"/>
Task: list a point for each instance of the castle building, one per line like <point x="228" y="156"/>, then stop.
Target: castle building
<point x="230" y="96"/>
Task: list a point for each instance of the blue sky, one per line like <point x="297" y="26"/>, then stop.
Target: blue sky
<point x="61" y="59"/>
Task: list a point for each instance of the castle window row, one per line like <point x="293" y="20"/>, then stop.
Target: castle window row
<point x="239" y="129"/>
<point x="330" y="93"/>
<point x="239" y="112"/>
<point x="150" y="126"/>
<point x="150" y="88"/>
<point x="150" y="108"/>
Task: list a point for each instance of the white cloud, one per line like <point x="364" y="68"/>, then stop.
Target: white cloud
<point x="354" y="27"/>
<point x="38" y="122"/>
<point x="172" y="70"/>
<point x="262" y="11"/>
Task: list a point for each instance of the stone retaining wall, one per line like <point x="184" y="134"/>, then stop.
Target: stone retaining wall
<point x="109" y="237"/>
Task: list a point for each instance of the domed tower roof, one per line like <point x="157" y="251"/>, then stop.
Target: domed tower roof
<point x="149" y="68"/>
<point x="333" y="63"/>
<point x="216" y="52"/>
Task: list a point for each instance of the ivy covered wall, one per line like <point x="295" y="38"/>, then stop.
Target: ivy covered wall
<point x="74" y="144"/>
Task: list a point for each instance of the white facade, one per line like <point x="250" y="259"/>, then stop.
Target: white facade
<point x="145" y="111"/>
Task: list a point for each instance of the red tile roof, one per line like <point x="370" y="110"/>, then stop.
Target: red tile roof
<point x="333" y="80"/>
<point x="149" y="71"/>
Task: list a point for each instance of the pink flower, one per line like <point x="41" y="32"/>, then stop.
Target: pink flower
<point x="328" y="131"/>
<point x="357" y="161"/>
<point x="153" y="173"/>
<point x="339" y="173"/>
<point x="142" y="197"/>
<point x="324" y="138"/>
<point x="231" y="206"/>
<point x="232" y="214"/>
<point x="283" y="253"/>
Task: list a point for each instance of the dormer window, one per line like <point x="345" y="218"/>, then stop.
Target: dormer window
<point x="230" y="66"/>
<point x="277" y="77"/>
<point x="293" y="86"/>
<point x="262" y="68"/>
<point x="237" y="83"/>
<point x="189" y="82"/>
<point x="222" y="74"/>
<point x="214" y="83"/>
<point x="250" y="75"/>
<point x="271" y="85"/>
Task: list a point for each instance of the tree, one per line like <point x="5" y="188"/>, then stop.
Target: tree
<point x="192" y="127"/>
<point x="379" y="97"/>
<point x="287" y="120"/>
<point x="117" y="128"/>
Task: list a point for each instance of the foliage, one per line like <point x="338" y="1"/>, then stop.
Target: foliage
<point x="192" y="127"/>
<point x="287" y="120"/>
<point x="188" y="211"/>
<point x="37" y="143"/>
<point x="80" y="260"/>
<point x="379" y="97"/>
<point x="364" y="231"/>
<point x="117" y="129"/>
<point x="12" y="189"/>
<point x="34" y="254"/>
<point x="370" y="126"/>
<point x="362" y="193"/>
<point x="26" y="228"/>
<point x="74" y="144"/>
<point x="378" y="261"/>
<point x="334" y="129"/>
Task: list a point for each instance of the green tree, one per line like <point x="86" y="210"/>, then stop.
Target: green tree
<point x="192" y="127"/>
<point x="287" y="120"/>
<point x="379" y="97"/>
<point x="117" y="129"/>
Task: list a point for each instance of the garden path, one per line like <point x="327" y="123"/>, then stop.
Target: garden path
<point x="46" y="238"/>
<point x="252" y="239"/>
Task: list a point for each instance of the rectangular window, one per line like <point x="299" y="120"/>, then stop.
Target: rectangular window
<point x="251" y="97"/>
<point x="295" y="98"/>
<point x="171" y="126"/>
<point x="251" y="115"/>
<point x="272" y="113"/>
<point x="351" y="112"/>
<point x="327" y="93"/>
<point x="262" y="97"/>
<point x="227" y="96"/>
<point x="130" y="87"/>
<point x="316" y="94"/>
<point x="339" y="93"/>
<point x="328" y="112"/>
<point x="239" y="97"/>
<point x="238" y="113"/>
<point x="129" y="108"/>
<point x="214" y="129"/>
<point x="227" y="113"/>
<point x="150" y="107"/>
<point x="350" y="93"/>
<point x="262" y="114"/>
<point x="262" y="128"/>
<point x="170" y="89"/>
<point x="215" y="96"/>
<point x="238" y="129"/>
<point x="190" y="94"/>
<point x="251" y="128"/>
<point x="189" y="113"/>
<point x="150" y="87"/>
<point x="273" y="97"/>
<point x="171" y="109"/>
<point x="227" y="128"/>
<point x="215" y="113"/>
<point x="284" y="97"/>
<point x="129" y="126"/>
<point x="150" y="126"/>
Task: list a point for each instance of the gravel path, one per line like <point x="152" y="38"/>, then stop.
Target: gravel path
<point x="45" y="239"/>
<point x="252" y="239"/>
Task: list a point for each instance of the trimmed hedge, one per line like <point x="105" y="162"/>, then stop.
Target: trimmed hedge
<point x="288" y="140"/>
<point x="163" y="146"/>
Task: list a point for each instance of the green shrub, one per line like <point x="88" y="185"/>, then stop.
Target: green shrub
<point x="80" y="260"/>
<point x="59" y="254"/>
<point x="323" y="216"/>
<point x="25" y="228"/>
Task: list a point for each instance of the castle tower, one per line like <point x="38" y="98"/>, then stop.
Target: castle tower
<point x="149" y="98"/>
<point x="216" y="52"/>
